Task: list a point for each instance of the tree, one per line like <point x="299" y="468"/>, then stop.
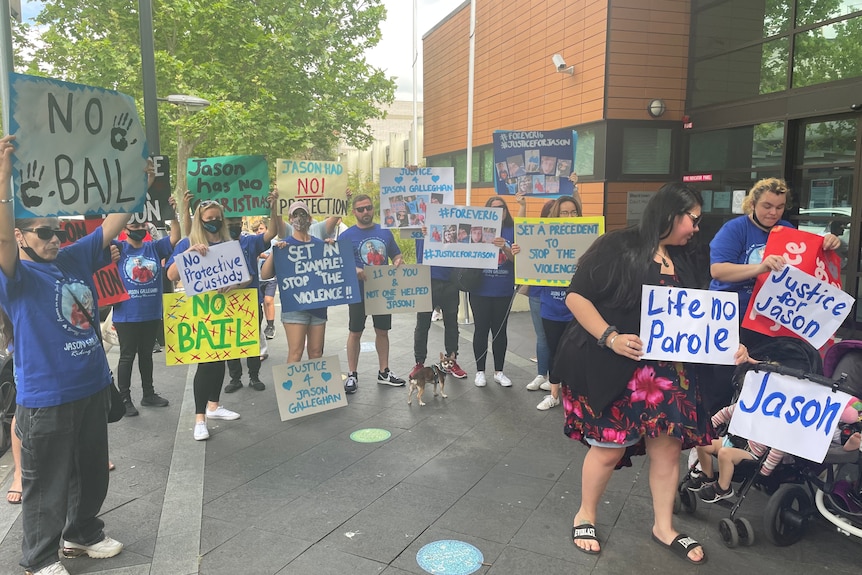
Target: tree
<point x="287" y="78"/>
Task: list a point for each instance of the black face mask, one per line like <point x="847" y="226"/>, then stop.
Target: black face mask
<point x="235" y="231"/>
<point x="136" y="235"/>
<point x="213" y="226"/>
<point x="756" y="221"/>
<point x="32" y="254"/>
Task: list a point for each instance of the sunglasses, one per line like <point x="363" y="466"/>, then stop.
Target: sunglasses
<point x="47" y="233"/>
<point x="362" y="209"/>
<point x="207" y="203"/>
<point x="695" y="220"/>
<point x="569" y="214"/>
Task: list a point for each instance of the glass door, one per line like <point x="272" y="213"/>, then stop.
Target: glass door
<point x="826" y="193"/>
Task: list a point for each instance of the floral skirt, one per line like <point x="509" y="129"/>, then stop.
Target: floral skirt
<point x="660" y="399"/>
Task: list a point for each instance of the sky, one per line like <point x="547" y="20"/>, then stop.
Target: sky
<point x="394" y="53"/>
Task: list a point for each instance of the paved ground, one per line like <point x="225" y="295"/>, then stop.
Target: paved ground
<point x="299" y="497"/>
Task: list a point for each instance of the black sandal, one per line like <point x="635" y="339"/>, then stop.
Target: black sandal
<point x="585" y="532"/>
<point x="681" y="545"/>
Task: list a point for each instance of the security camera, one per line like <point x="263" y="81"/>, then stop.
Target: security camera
<point x="856" y="107"/>
<point x="559" y="62"/>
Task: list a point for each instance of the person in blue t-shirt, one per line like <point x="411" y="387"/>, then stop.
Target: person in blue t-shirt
<point x="207" y="229"/>
<point x="491" y="301"/>
<point x="371" y="243"/>
<point x="62" y="378"/>
<point x="555" y="315"/>
<point x="736" y="251"/>
<point x="305" y="329"/>
<point x="139" y="318"/>
<point x="252" y="246"/>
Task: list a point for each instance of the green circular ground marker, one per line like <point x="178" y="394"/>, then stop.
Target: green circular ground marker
<point x="370" y="435"/>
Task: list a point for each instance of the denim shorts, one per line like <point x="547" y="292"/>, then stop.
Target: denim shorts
<point x="301" y="317"/>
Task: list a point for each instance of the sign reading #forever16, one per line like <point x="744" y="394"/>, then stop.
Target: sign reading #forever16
<point x="80" y="150"/>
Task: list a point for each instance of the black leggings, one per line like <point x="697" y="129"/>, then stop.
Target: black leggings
<point x="136" y="338"/>
<point x="553" y="334"/>
<point x="490" y="314"/>
<point x="207" y="385"/>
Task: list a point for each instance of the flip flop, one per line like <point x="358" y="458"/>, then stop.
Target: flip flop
<point x="585" y="532"/>
<point x="9" y="501"/>
<point x="681" y="545"/>
<point x="111" y="466"/>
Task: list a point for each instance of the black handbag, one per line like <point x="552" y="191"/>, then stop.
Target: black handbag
<point x="469" y="279"/>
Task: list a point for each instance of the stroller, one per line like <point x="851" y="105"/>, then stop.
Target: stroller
<point x="791" y="486"/>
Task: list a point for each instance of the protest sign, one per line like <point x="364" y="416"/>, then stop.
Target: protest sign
<point x="804" y="251"/>
<point x="80" y="150"/>
<point x="321" y="185"/>
<point x="535" y="162"/>
<point x="689" y="325"/>
<point x="156" y="208"/>
<point x="810" y="308"/>
<point x="403" y="289"/>
<point x="308" y="387"/>
<point x="109" y="287"/>
<point x="460" y="236"/>
<point x="223" y="266"/>
<point x="792" y="415"/>
<point x="316" y="274"/>
<point x="550" y="248"/>
<point x="406" y="194"/>
<point x="211" y="326"/>
<point x="239" y="183"/>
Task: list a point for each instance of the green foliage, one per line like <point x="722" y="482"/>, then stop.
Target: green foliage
<point x="286" y="79"/>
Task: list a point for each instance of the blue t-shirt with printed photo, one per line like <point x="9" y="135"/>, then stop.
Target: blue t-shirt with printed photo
<point x="499" y="282"/>
<point x="739" y="241"/>
<point x="141" y="272"/>
<point x="553" y="302"/>
<point x="374" y="246"/>
<point x="58" y="354"/>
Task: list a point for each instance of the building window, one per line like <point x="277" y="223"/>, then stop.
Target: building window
<point x="740" y="148"/>
<point x="810" y="12"/>
<point x="825" y="54"/>
<point x="753" y="71"/>
<point x="585" y="155"/>
<point x="646" y="151"/>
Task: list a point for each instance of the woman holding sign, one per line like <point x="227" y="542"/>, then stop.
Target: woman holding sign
<point x="62" y="380"/>
<point x="304" y="329"/>
<point x="736" y="251"/>
<point x="615" y="403"/>
<point x="208" y="228"/>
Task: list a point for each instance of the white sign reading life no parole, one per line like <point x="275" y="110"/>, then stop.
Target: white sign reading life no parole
<point x="462" y="237"/>
<point x="787" y="413"/>
<point x="403" y="289"/>
<point x="811" y="308"/>
<point x="80" y="150"/>
<point x="689" y="325"/>
<point x="308" y="387"/>
<point x="223" y="266"/>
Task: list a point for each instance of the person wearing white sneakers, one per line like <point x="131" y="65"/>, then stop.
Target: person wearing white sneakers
<point x="491" y="301"/>
<point x="208" y="228"/>
<point x="555" y="315"/>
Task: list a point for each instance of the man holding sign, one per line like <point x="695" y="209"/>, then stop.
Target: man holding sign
<point x="372" y="245"/>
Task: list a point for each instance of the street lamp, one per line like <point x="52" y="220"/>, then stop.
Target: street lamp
<point x="190" y="104"/>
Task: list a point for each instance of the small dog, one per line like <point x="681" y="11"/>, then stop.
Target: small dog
<point x="434" y="375"/>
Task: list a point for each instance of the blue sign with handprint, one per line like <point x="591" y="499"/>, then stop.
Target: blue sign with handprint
<point x="308" y="387"/>
<point x="80" y="150"/>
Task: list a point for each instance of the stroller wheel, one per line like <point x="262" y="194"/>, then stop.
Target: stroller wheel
<point x="687" y="499"/>
<point x="729" y="534"/>
<point x="787" y="514"/>
<point x="746" y="532"/>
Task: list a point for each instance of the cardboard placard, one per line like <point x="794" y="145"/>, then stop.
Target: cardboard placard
<point x="308" y="387"/>
<point x="222" y="266"/>
<point x="156" y="207"/>
<point x="461" y="236"/>
<point x="406" y="194"/>
<point x="689" y="325"/>
<point x="211" y="326"/>
<point x="321" y="185"/>
<point x="109" y="286"/>
<point x="550" y="248"/>
<point x="534" y="162"/>
<point x="316" y="275"/>
<point x="403" y="289"/>
<point x="239" y="183"/>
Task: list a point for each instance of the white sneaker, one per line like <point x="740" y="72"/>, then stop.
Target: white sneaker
<point x="547" y="403"/>
<point x="534" y="385"/>
<point x="53" y="569"/>
<point x="501" y="378"/>
<point x="201" y="431"/>
<point x="480" y="379"/>
<point x="546" y="386"/>
<point x="222" y="413"/>
<point x="105" y="548"/>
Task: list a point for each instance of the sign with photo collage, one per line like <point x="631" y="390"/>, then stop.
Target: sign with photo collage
<point x="537" y="163"/>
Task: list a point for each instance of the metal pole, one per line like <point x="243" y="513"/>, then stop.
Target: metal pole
<point x="148" y="73"/>
<point x="470" y="81"/>
<point x="6" y="65"/>
<point x="415" y="155"/>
